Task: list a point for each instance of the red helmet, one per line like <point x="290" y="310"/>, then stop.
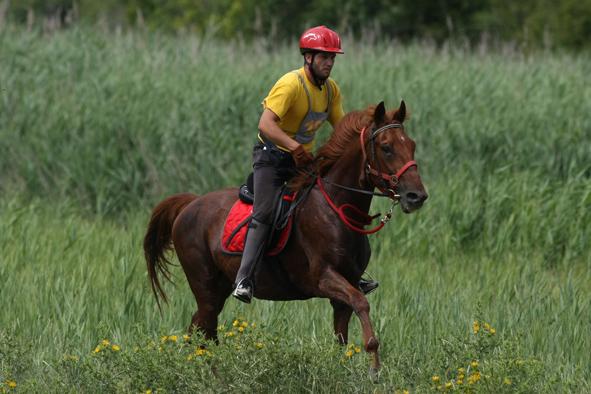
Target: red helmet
<point x="320" y="38"/>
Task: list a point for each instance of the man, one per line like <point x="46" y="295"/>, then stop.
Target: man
<point x="295" y="108"/>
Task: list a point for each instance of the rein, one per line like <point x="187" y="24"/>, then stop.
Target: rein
<point x="389" y="182"/>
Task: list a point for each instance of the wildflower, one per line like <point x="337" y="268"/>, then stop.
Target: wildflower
<point x="461" y="376"/>
<point x="448" y="385"/>
<point x="148" y="391"/>
<point x="244" y="324"/>
<point x="259" y="345"/>
<point x="221" y="327"/>
<point x="493" y="331"/>
<point x="173" y="338"/>
<point x="11" y="384"/>
<point x="253" y="325"/>
<point x="116" y="348"/>
<point x="236" y="323"/>
<point x="164" y="338"/>
<point x="435" y="379"/>
<point x="475" y="326"/>
<point x="357" y="349"/>
<point x="461" y="370"/>
<point x="475" y="377"/>
<point x="190" y="357"/>
<point x="241" y="329"/>
<point x="507" y="381"/>
<point x="105" y="342"/>
<point x="186" y="338"/>
<point x="200" y="352"/>
<point x="487" y="327"/>
<point x="97" y="349"/>
<point x="230" y="334"/>
<point x="349" y="353"/>
<point x="474" y="364"/>
<point x="459" y="382"/>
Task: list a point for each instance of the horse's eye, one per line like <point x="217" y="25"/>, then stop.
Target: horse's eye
<point x="387" y="149"/>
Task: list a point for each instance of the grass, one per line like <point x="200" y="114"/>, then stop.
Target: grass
<point x="95" y="128"/>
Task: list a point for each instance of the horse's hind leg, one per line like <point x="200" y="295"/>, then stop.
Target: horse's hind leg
<point x="211" y="295"/>
<point x="209" y="286"/>
<point x="342" y="315"/>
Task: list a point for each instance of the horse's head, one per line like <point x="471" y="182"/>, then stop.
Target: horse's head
<point x="389" y="158"/>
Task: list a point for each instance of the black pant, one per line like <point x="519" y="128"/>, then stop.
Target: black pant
<point x="272" y="167"/>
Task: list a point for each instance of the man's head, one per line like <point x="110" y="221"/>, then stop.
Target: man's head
<point x="319" y="45"/>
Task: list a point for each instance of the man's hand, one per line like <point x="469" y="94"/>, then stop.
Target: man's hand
<point x="301" y="157"/>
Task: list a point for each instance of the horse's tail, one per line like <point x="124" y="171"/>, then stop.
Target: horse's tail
<point x="158" y="239"/>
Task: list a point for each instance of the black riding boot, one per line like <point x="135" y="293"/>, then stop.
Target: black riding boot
<point x="253" y="252"/>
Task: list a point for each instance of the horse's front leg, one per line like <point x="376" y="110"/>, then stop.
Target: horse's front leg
<point x="334" y="286"/>
<point x="341" y="315"/>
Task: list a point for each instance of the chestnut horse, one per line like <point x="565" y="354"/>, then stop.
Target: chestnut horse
<point x="328" y="249"/>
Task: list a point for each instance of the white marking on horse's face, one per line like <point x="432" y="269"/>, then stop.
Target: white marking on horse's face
<point x="402" y="138"/>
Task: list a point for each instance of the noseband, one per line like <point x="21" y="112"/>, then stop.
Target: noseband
<point x="388" y="181"/>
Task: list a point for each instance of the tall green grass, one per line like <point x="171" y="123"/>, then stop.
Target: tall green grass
<point x="95" y="128"/>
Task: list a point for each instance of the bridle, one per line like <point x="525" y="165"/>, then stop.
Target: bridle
<point x="387" y="185"/>
<point x="388" y="181"/>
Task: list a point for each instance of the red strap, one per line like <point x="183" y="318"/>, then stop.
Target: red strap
<point x="343" y="216"/>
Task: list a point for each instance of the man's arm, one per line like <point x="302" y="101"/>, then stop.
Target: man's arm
<point x="269" y="127"/>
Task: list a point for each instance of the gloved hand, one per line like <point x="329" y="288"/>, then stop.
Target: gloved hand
<point x="301" y="157"/>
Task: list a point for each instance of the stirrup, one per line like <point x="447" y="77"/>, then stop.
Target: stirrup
<point x="243" y="291"/>
<point x="367" y="286"/>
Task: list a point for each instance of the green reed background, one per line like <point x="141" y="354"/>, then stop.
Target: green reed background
<point x="96" y="128"/>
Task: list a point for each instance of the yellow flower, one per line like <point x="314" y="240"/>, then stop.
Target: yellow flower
<point x="186" y="338"/>
<point x="475" y="377"/>
<point x="148" y="391"/>
<point x="230" y="334"/>
<point x="259" y="345"/>
<point x="461" y="370"/>
<point x="200" y="352"/>
<point x="11" y="384"/>
<point x="105" y="342"/>
<point x="487" y="326"/>
<point x="493" y="331"/>
<point x="164" y="338"/>
<point x="173" y="338"/>
<point x="190" y="357"/>
<point x="349" y="353"/>
<point x="221" y="327"/>
<point x="97" y="349"/>
<point x="253" y="325"/>
<point x="435" y="379"/>
<point x="448" y="385"/>
<point x="475" y="327"/>
<point x="459" y="381"/>
<point x="461" y="376"/>
<point x="405" y="392"/>
<point x="244" y="324"/>
<point x="507" y="381"/>
<point x="357" y="349"/>
<point x="236" y="323"/>
<point x="115" y="348"/>
<point x="241" y="329"/>
<point x="474" y="364"/>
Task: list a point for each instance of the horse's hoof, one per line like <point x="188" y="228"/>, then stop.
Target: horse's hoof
<point x="374" y="374"/>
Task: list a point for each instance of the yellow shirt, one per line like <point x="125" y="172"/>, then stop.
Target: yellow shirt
<point x="288" y="100"/>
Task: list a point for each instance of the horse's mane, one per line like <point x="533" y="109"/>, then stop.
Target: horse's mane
<point x="340" y="140"/>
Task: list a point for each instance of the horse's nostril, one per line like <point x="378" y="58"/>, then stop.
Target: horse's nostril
<point x="416" y="198"/>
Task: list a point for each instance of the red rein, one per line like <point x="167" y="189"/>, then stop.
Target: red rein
<point x="365" y="219"/>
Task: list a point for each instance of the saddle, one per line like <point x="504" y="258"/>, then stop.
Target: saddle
<point x="236" y="225"/>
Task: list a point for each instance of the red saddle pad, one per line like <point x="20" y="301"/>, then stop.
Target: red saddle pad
<point x="235" y="228"/>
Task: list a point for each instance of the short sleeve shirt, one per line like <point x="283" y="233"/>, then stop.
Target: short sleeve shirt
<point x="288" y="100"/>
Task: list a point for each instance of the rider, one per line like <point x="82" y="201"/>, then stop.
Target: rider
<point x="295" y="108"/>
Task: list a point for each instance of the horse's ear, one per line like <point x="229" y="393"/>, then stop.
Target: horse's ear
<point x="379" y="114"/>
<point x="400" y="114"/>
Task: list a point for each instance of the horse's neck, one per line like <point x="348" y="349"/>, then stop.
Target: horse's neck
<point x="346" y="172"/>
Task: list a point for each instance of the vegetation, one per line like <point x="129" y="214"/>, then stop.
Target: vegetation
<point x="95" y="128"/>
<point x="529" y="23"/>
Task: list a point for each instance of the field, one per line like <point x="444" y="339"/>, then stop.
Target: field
<point x="486" y="289"/>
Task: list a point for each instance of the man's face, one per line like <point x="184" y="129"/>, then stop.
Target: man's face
<point x="323" y="63"/>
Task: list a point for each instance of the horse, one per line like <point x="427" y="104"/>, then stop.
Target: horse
<point x="328" y="249"/>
